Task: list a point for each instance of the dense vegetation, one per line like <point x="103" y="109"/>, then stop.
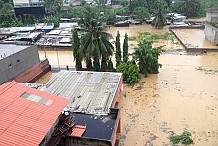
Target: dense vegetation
<point x="130" y="72"/>
<point x="140" y="9"/>
<point x="147" y="57"/>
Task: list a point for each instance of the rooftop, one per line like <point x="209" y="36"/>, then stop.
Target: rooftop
<point x="26" y="114"/>
<point x="97" y="127"/>
<point x="10" y="30"/>
<point x="89" y="92"/>
<point x="212" y="10"/>
<point x="8" y="49"/>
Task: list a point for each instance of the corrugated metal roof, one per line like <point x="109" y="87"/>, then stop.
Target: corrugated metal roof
<point x="89" y="92"/>
<point x="24" y="122"/>
<point x="78" y="130"/>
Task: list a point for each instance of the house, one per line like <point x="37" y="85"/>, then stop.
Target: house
<point x="21" y="63"/>
<point x="93" y="100"/>
<point x="28" y="116"/>
<point x="71" y="2"/>
<point x="94" y="130"/>
<point x="31" y="7"/>
<point x="211" y="25"/>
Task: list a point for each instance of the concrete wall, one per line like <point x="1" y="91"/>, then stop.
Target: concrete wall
<point x="211" y="33"/>
<point x="117" y="129"/>
<point x="80" y="141"/>
<point x="17" y="63"/>
<point x="118" y="93"/>
<point x="212" y="17"/>
<point x="33" y="73"/>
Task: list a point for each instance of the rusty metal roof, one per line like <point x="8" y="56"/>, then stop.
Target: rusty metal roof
<point x="78" y="130"/>
<point x="25" y="122"/>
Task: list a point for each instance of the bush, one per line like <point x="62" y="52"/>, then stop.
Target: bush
<point x="147" y="58"/>
<point x="130" y="72"/>
<point x="184" y="138"/>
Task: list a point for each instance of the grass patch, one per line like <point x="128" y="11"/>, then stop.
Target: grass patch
<point x="184" y="138"/>
<point x="153" y="37"/>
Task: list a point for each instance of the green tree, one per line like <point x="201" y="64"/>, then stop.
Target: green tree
<point x="95" y="44"/>
<point x="159" y="20"/>
<point x="147" y="57"/>
<point x="7" y="8"/>
<point x="118" y="49"/>
<point x="141" y="13"/>
<point x="110" y="16"/>
<point x="51" y="19"/>
<point x="125" y="49"/>
<point x="1" y="4"/>
<point x="190" y="7"/>
<point x="53" y="6"/>
<point x="76" y="46"/>
<point x="136" y="3"/>
<point x="130" y="72"/>
<point x="72" y="12"/>
<point x="169" y="2"/>
<point x="110" y="65"/>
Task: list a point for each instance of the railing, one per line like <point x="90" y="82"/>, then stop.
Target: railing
<point x="62" y="67"/>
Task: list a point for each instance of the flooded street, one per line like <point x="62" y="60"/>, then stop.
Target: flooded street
<point x="183" y="96"/>
<point x="179" y="98"/>
<point x="188" y="37"/>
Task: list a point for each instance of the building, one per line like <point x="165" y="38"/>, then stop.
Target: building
<point x="71" y="2"/>
<point x="211" y="26"/>
<point x="28" y="116"/>
<point x="21" y="63"/>
<point x="31" y="7"/>
<point x="93" y="99"/>
<point x="94" y="130"/>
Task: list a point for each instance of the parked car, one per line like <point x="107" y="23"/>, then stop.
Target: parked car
<point x="149" y="20"/>
<point x="122" y="24"/>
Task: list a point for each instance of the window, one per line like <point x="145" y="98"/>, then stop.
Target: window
<point x="36" y="98"/>
<point x="10" y="65"/>
<point x="18" y="61"/>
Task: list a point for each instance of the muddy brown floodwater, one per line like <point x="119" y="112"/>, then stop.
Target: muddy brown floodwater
<point x="183" y="96"/>
<point x="194" y="38"/>
<point x="180" y="97"/>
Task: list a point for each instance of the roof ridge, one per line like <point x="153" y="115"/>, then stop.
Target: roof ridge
<point x="7" y="86"/>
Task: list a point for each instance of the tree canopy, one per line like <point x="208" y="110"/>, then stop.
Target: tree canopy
<point x="95" y="45"/>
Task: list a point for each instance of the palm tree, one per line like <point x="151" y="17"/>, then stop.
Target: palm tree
<point x="159" y="20"/>
<point x="95" y="44"/>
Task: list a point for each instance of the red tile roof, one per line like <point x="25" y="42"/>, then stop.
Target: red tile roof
<point x="24" y="122"/>
<point x="78" y="130"/>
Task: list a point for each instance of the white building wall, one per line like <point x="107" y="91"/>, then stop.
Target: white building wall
<point x="211" y="33"/>
<point x="20" y="1"/>
<point x="212" y="17"/>
<point x="25" y="3"/>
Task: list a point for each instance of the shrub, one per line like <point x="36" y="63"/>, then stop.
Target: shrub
<point x="130" y="72"/>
